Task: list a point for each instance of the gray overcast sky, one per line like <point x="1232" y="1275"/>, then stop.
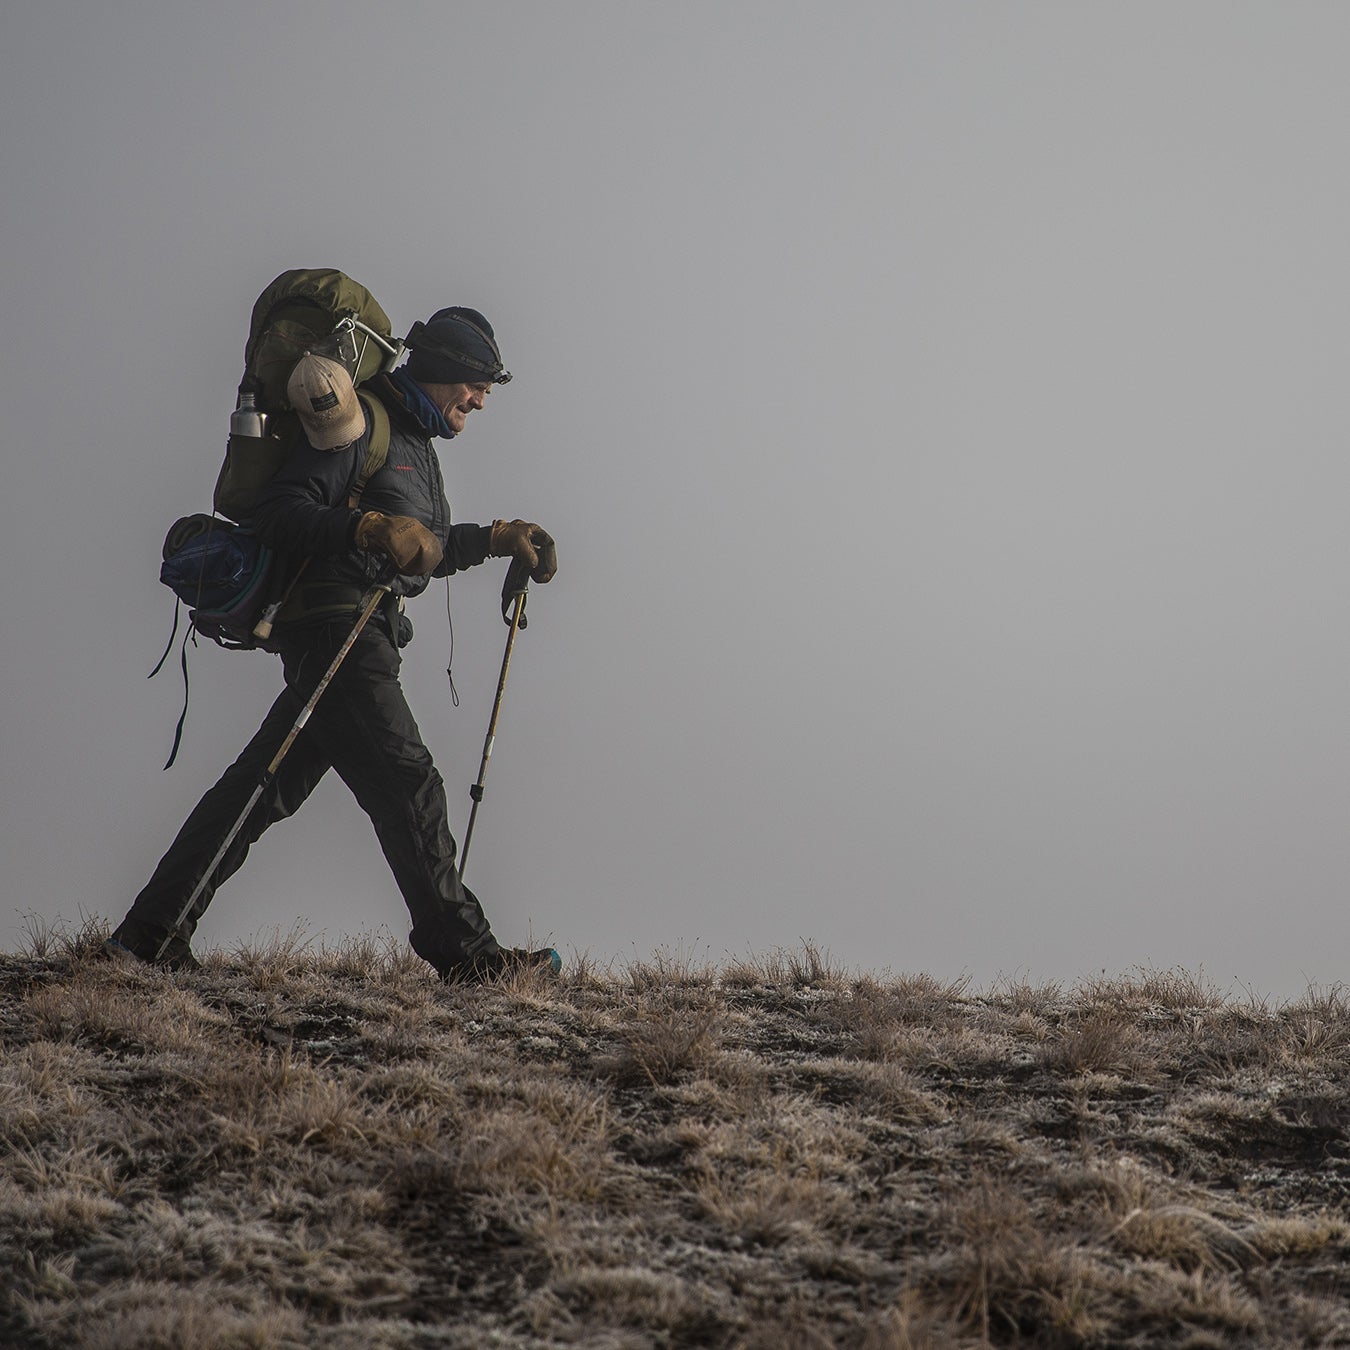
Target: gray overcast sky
<point x="939" y="409"/>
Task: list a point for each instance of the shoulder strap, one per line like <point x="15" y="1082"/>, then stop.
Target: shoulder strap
<point x="377" y="451"/>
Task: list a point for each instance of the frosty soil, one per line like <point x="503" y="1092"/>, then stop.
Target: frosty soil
<point x="304" y="1148"/>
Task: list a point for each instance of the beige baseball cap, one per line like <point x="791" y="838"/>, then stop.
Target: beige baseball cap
<point x="321" y="391"/>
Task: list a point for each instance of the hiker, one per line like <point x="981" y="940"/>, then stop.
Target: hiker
<point x="362" y="725"/>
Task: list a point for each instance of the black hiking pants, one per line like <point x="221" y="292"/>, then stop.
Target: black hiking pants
<point x="362" y="727"/>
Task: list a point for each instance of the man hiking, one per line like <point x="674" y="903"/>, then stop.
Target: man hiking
<point x="362" y="725"/>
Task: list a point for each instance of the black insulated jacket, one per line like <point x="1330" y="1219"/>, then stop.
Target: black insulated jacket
<point x="304" y="509"/>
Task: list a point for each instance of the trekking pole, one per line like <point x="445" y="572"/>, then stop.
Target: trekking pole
<point x="476" y="791"/>
<point x="378" y="592"/>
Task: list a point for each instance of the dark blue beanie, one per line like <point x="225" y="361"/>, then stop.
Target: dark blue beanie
<point x="455" y="346"/>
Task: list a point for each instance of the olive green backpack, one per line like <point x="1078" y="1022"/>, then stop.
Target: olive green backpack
<point x="235" y="588"/>
<point x="306" y="310"/>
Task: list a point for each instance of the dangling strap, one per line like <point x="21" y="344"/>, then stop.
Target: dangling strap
<point x="182" y="717"/>
<point x="176" y="605"/>
<point x="450" y="660"/>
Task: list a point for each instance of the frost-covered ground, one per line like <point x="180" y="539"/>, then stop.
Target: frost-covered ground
<point x="328" y="1148"/>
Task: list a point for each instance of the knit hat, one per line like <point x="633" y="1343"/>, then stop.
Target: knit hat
<point x="321" y="392"/>
<point x="455" y="346"/>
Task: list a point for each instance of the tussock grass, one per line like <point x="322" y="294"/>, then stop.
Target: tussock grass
<point x="304" y="1146"/>
<point x="1145" y="988"/>
<point x="1103" y="1042"/>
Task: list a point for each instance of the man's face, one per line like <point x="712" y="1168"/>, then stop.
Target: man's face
<point x="457" y="401"/>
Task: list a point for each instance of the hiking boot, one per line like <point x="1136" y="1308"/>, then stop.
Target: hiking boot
<point x="503" y="963"/>
<point x="141" y="942"/>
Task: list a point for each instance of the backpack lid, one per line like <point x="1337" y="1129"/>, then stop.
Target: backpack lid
<point x="312" y="309"/>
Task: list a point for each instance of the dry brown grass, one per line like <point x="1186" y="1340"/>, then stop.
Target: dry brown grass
<point x="1102" y="1042"/>
<point x="302" y="1147"/>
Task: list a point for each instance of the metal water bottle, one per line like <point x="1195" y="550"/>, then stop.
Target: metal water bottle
<point x="246" y="419"/>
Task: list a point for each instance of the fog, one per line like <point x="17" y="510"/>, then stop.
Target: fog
<point x="938" y="410"/>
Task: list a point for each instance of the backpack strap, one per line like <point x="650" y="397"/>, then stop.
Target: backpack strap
<point x="378" y="449"/>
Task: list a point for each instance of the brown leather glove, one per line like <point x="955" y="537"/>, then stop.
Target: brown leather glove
<point x="530" y="543"/>
<point x="406" y="542"/>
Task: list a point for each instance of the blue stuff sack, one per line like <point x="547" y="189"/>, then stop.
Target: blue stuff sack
<point x="221" y="573"/>
<point x="224" y="574"/>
